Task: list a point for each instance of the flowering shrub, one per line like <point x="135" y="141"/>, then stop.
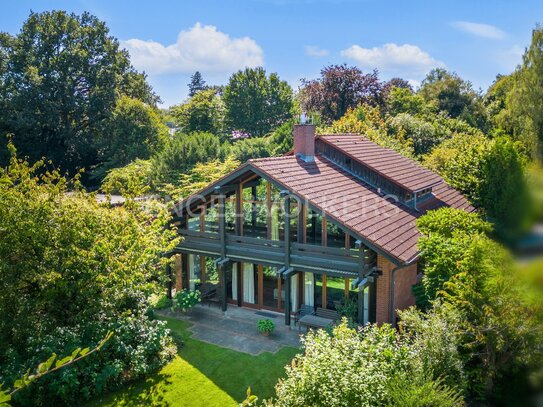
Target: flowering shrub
<point x="186" y="299"/>
<point x="358" y="368"/>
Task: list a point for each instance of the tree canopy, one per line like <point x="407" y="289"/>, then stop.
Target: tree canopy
<point x="204" y="111"/>
<point x="257" y="103"/>
<point x="196" y="84"/>
<point x="339" y="89"/>
<point x="59" y="83"/>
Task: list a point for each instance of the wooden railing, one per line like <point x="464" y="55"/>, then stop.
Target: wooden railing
<point x="303" y="257"/>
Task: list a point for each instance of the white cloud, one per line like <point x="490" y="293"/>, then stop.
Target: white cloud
<point x="480" y="30"/>
<point x="403" y="59"/>
<point x="202" y="48"/>
<point x="314" y="51"/>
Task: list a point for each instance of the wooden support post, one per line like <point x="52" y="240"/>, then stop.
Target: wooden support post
<point x="286" y="202"/>
<point x="268" y="209"/>
<point x="372" y="302"/>
<point x="239" y="209"/>
<point x="253" y="208"/>
<point x="287" y="299"/>
<point x="222" y="283"/>
<point x="260" y="285"/>
<point x="178" y="273"/>
<point x="222" y="221"/>
<point x="202" y="218"/>
<point x="169" y="275"/>
<point x="361" y="266"/>
<point x="239" y="283"/>
<point x="301" y="223"/>
<point x="323" y="299"/>
<point x="202" y="273"/>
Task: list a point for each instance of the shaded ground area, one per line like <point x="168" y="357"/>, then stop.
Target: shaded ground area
<point x="237" y="330"/>
<point x="204" y="374"/>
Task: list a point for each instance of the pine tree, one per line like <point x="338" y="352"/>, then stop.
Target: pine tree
<point x="196" y="84"/>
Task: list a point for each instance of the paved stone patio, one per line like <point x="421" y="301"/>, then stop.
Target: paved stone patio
<point x="237" y="329"/>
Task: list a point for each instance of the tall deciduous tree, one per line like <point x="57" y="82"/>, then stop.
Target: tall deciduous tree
<point x="454" y="96"/>
<point x="257" y="103"/>
<point x="135" y="130"/>
<point x="340" y="88"/>
<point x="196" y="84"/>
<point x="59" y="82"/>
<point x="204" y="111"/>
<point x="526" y="98"/>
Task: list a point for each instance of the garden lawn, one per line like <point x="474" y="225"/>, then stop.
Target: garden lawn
<point x="203" y="374"/>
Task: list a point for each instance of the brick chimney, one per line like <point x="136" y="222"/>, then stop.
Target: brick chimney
<point x="304" y="141"/>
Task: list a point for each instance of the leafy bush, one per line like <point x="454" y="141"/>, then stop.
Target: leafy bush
<point x="202" y="112"/>
<point x="265" y="326"/>
<point x="182" y="152"/>
<point x="348" y="310"/>
<point x="256" y="147"/>
<point x="186" y="299"/>
<point x="353" y="368"/>
<point x="420" y="391"/>
<point x="72" y="270"/>
<point x="160" y="301"/>
<point x="200" y="176"/>
<point x="491" y="174"/>
<point x="367" y="120"/>
<point x="132" y="180"/>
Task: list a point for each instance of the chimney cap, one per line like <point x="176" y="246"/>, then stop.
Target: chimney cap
<point x="305" y="118"/>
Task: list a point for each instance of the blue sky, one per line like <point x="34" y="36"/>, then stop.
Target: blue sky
<point x="170" y="40"/>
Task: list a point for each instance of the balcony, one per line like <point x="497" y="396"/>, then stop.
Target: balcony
<point x="303" y="257"/>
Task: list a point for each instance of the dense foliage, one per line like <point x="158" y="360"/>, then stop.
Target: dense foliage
<point x="203" y="112"/>
<point x="373" y="367"/>
<point x="500" y="326"/>
<point x="181" y="152"/>
<point x="491" y="173"/>
<point x="60" y="79"/>
<point x="257" y="103"/>
<point x="135" y="131"/>
<point x="70" y="271"/>
<point x="197" y="84"/>
<point x="339" y="89"/>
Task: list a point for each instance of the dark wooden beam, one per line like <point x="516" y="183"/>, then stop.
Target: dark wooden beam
<point x="239" y="283"/>
<point x="239" y="210"/>
<point x="222" y="221"/>
<point x="286" y="216"/>
<point x="170" y="283"/>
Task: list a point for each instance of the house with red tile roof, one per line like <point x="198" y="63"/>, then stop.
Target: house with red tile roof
<point x="328" y="228"/>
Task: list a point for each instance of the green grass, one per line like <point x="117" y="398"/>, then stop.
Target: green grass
<point x="203" y="375"/>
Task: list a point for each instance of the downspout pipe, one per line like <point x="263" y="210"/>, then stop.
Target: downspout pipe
<point x="393" y="284"/>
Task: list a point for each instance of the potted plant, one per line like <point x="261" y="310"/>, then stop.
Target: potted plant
<point x="265" y="326"/>
<point x="185" y="300"/>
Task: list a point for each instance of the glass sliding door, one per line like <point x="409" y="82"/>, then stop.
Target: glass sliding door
<point x="195" y="272"/>
<point x="270" y="291"/>
<point x="335" y="292"/>
<point x="250" y="283"/>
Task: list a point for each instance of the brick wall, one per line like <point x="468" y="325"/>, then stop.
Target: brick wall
<point x="382" y="313"/>
<point x="403" y="297"/>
